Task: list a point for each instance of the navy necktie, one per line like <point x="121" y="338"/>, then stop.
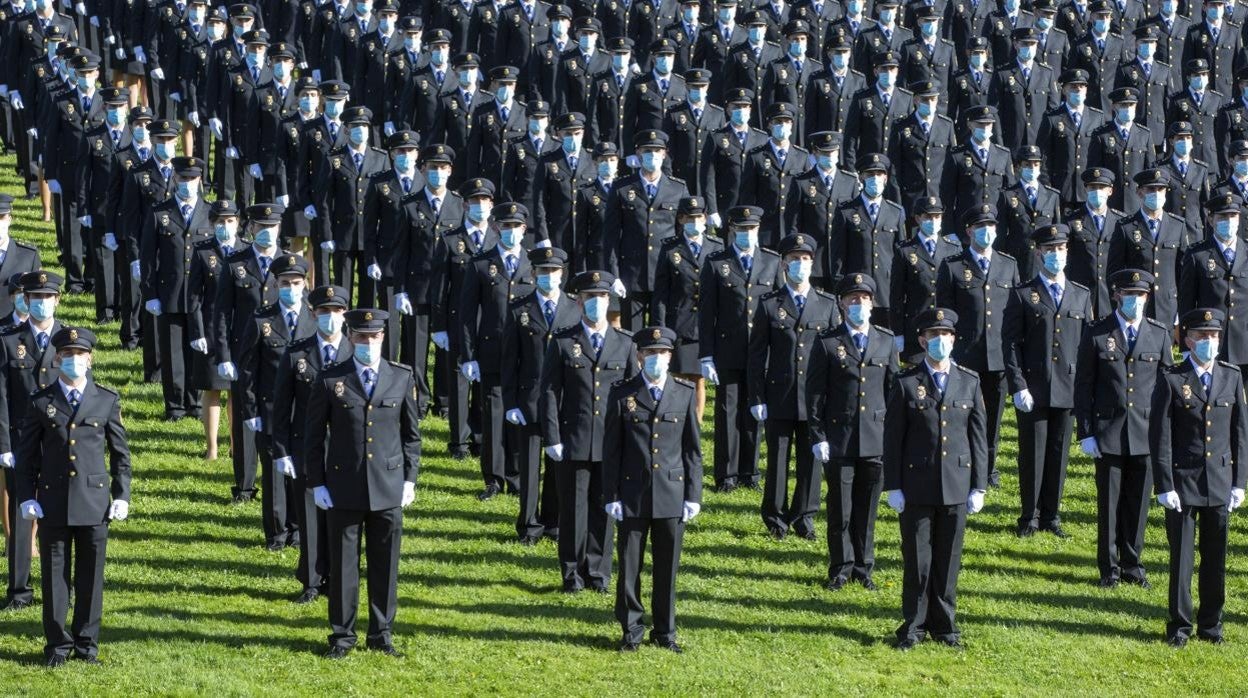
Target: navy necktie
<point x="333" y="131"/>
<point x="511" y="264"/>
<point x="166" y="172"/>
<point x="359" y="161"/>
<point x="186" y="212"/>
<point x="1131" y="336"/>
<point x="407" y="184"/>
<point x="75" y="398"/>
<point x="941" y="379"/>
<point x="264" y="266"/>
<point x="370" y="378"/>
<point x="651" y="190"/>
<point x="476" y="239"/>
<point x="873" y="210"/>
<point x="292" y="321"/>
<point x="329" y="355"/>
<point x="42" y="340"/>
<point x="1099" y="222"/>
<point x="930" y="247"/>
<point x="860" y="341"/>
<point x="506" y="112"/>
<point x="1230" y="256"/>
<point x="800" y="301"/>
<point x="595" y="340"/>
<point x="1152" y="227"/>
<point x="1206" y="380"/>
<point x="657" y="394"/>
<point x="436" y="204"/>
<point x="549" y="309"/>
<point x="983" y="264"/>
<point x="1056" y="290"/>
<point x="747" y="261"/>
<point x="1182" y="169"/>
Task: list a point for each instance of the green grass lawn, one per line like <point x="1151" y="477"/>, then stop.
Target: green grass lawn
<point x="194" y="604"/>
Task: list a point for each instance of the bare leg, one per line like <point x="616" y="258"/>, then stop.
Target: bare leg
<point x="45" y="197"/>
<point x="212" y="422"/>
<point x="188" y="137"/>
<point x="299" y="246"/>
<point x="34" y="539"/>
<point x="4" y="504"/>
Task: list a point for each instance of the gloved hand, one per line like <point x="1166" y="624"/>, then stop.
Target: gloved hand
<point x="284" y="200"/>
<point x="54" y="186"/>
<point x="255" y="171"/>
<point x="822" y="451"/>
<point x="471" y="370"/>
<point x="80" y="8"/>
<point x="34" y="133"/>
<point x="388" y="128"/>
<point x="153" y="306"/>
<point x="227" y="371"/>
<point x="200" y="345"/>
<point x="158" y="74"/>
<point x="328" y="246"/>
<point x="515" y="416"/>
<point x="1023" y="401"/>
<point x="316" y="74"/>
<point x="175" y="96"/>
<point x="95" y="21"/>
<point x="135" y="270"/>
<point x="320" y="495"/>
<point x="442" y="341"/>
<point x="110" y="40"/>
<point x="897" y="500"/>
<point x="85" y="220"/>
<point x="899" y="343"/>
<point x="691" y="510"/>
<point x="715" y="221"/>
<point x="231" y="153"/>
<point x="759" y="413"/>
<point x="618" y="287"/>
<point x="409" y="494"/>
<point x="555" y="452"/>
<point x="1090" y="447"/>
<point x="119" y="510"/>
<point x="975" y="502"/>
<point x="110" y="242"/>
<point x="402" y="304"/>
<point x="1170" y="500"/>
<point x="374" y="272"/>
<point x="6" y="459"/>
<point x="214" y="125"/>
<point x="4" y="91"/>
<point x="119" y="52"/>
<point x="1237" y="498"/>
<point x="285" y="466"/>
<point x="709" y="372"/>
<point x="140" y="55"/>
<point x="254" y="424"/>
<point x="615" y="510"/>
<point x="15" y="99"/>
<point x="309" y="212"/>
<point x="31" y="510"/>
<point x="193" y="117"/>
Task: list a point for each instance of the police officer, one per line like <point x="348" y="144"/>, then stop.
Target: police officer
<point x="1152" y="240"/>
<point x="866" y="230"/>
<point x="1043" y="323"/>
<point x="496" y="123"/>
<point x="1120" y="358"/>
<point x="914" y="270"/>
<point x="16" y="257"/>
<point x="583" y="361"/>
<point x="935" y="408"/>
<point x="852" y="368"/>
<point x="295" y="379"/>
<point x="833" y="90"/>
<point x="651" y="483"/>
<point x="650" y="97"/>
<point x="691" y="125"/>
<point x="733" y="282"/>
<point x="1023" y="90"/>
<point x="521" y="174"/>
<point x="317" y="137"/>
<point x="63" y="482"/>
<point x="1198" y="105"/>
<point x="454" y="124"/>
<point x="978" y="169"/>
<point x="748" y="61"/>
<point x="786" y="325"/>
<point x="1213" y="273"/>
<point x="363" y="483"/>
<point x="1122" y="146"/>
<point x="578" y="69"/>
<point x="875" y="109"/>
<point x="919" y="146"/>
<point x="1153" y="79"/>
<point x="1024" y="205"/>
<point x="1190" y="178"/>
<point x="815" y="196"/>
<point x="726" y="156"/>
<point x="970" y="86"/>
<point x="560" y="176"/>
<point x="771" y="169"/>
<point x="1065" y="136"/>
<point x="207" y="271"/>
<point x="1092" y="228"/>
<point x="606" y="115"/>
<point x="100" y="200"/>
<point x="1198" y="408"/>
<point x="790" y="78"/>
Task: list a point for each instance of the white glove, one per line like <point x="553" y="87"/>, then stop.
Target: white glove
<point x="15" y="98"/>
<point x="709" y="372"/>
<point x="227" y="371"/>
<point x="374" y="272"/>
<point x="822" y="451"/>
<point x="119" y="510"/>
<point x="303" y="65"/>
<point x="119" y="52"/>
<point x="309" y="212"/>
<point x="409" y="494"/>
<point x="80" y="8"/>
<point x="328" y="246"/>
<point x="285" y="466"/>
<point x="759" y="413"/>
<point x="110" y="242"/>
<point x="200" y="345"/>
<point x="1023" y="401"/>
<point x="33" y="133"/>
<point x="388" y="127"/>
<point x="515" y="416"/>
<point x="442" y="341"/>
<point x="284" y="199"/>
<point x="153" y="306"/>
<point x="471" y="370"/>
<point x="1237" y="498"/>
<point x="618" y="287"/>
<point x="6" y="459"/>
<point x="31" y="510"/>
<point x="320" y="495"/>
<point x="175" y="96"/>
<point x="615" y="510"/>
<point x="135" y="270"/>
<point x="54" y="186"/>
<point x="692" y="509"/>
<point x="139" y="55"/>
<point x="194" y="118"/>
<point x="255" y="172"/>
<point x="231" y="153"/>
<point x="316" y="74"/>
<point x="109" y="41"/>
<point x="402" y="304"/>
<point x="975" y="502"/>
<point x="897" y="500"/>
<point x="635" y="68"/>
<point x="214" y="125"/>
<point x="85" y="220"/>
<point x="4" y="91"/>
<point x="555" y="452"/>
<point x="159" y="75"/>
<point x="1170" y="500"/>
<point x="254" y="424"/>
<point x="715" y="221"/>
<point x="1090" y="447"/>
<point x="95" y="21"/>
<point x="900" y="343"/>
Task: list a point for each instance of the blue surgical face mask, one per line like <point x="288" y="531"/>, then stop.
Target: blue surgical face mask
<point x="939" y="347"/>
<point x="571" y="144"/>
<point x="1029" y="173"/>
<point x="619" y="61"/>
<point x="687" y="14"/>
<point x="1100" y="26"/>
<point x="825" y="161"/>
<point x="239" y="30"/>
<point x="411" y="43"/>
<point x="438" y="56"/>
<point x="436" y="178"/>
<point x="1213" y="13"/>
<point x="1198" y="82"/>
<point x="981" y="134"/>
<point x="799" y="270"/>
<point x="216" y="31"/>
<point x="1154" y="201"/>
<point x="266" y="237"/>
<point x="281" y="69"/>
<point x="1132" y="306"/>
<point x="655" y="365"/>
<point x="358" y="134"/>
<point x="306" y="104"/>
<point x="1074" y="99"/>
<point x="511" y="237"/>
<point x="1169" y="7"/>
<point x="1097" y="198"/>
<point x="696" y="95"/>
<point x="139" y="134"/>
<point x="479" y="212"/>
<point x="1206" y="350"/>
<point x="745" y="239"/>
<point x="537" y="127"/>
<point x="74" y="367"/>
<point x="1182" y="147"/>
<point x="222" y="232"/>
<point x="840" y="59"/>
<point x="1011" y="6"/>
<point x="1225" y="229"/>
<point x="42" y="309"/>
<point x="884" y="80"/>
<point x="334" y="107"/>
<point x="19" y="302"/>
<point x="651" y="161"/>
<point x="187" y="190"/>
<point x="757" y="33"/>
<point x="929" y="227"/>
<point x="663" y="64"/>
<point x="985" y="235"/>
<point x="1044" y="23"/>
<point x="978" y="60"/>
<point x="740" y="117"/>
<point x="367" y="353"/>
<point x="547" y="283"/>
<point x="606" y="169"/>
<point x="726" y="14"/>
<point x="928" y="29"/>
<point x="1145" y="50"/>
<point x="859" y="314"/>
<point x="362" y="8"/>
<point x="596" y="308"/>
<point x="887" y="15"/>
<point x="1054" y="262"/>
<point x="329" y="323"/>
<point x="403" y="162"/>
<point x="694" y="229"/>
<point x="287" y="296"/>
<point x="1241" y="168"/>
<point x="854" y="7"/>
<point x="165" y="150"/>
<point x="874" y="185"/>
<point x="587" y="42"/>
<point x="385" y="24"/>
<point x="797" y="49"/>
<point x="84" y="84"/>
<point x="115" y="117"/>
<point x="1124" y="115"/>
<point x="503" y="93"/>
<point x="782" y="131"/>
<point x="924" y="109"/>
<point x="1026" y="52"/>
<point x="253" y="60"/>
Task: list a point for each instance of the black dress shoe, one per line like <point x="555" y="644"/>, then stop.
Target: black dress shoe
<point x="751" y="486"/>
<point x="835" y="584"/>
<point x="1213" y="640"/>
<point x="808" y="535"/>
<point x="337" y="652"/>
<point x="17" y="605"/>
<point x="1107" y="582"/>
<point x="994" y="479"/>
<point x="275" y="546"/>
<point x="868" y="584"/>
<point x="241" y="499"/>
<point x="777" y="532"/>
<point x="1141" y="582"/>
<point x="906" y="644"/>
<point x="1026" y="531"/>
<point x="308" y="596"/>
<point x="86" y="659"/>
<point x="628" y="646"/>
<point x="669" y="645"/>
<point x="487" y="493"/>
<point x="953" y="642"/>
<point x="1056" y="529"/>
<point x="572" y="588"/>
<point x="726" y="487"/>
<point x="528" y="541"/>
<point x="293" y="541"/>
<point x="600" y="588"/>
<point x="459" y="455"/>
<point x="1178" y="642"/>
<point x="387" y="650"/>
<point x="55" y="661"/>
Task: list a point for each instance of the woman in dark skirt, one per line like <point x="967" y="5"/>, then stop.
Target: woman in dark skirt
<point x="207" y="267"/>
<point x="675" y="301"/>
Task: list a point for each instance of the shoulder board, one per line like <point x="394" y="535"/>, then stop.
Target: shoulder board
<point x="1151" y="321"/>
<point x="106" y="389"/>
<point x="401" y="367"/>
<point x="773" y="294"/>
<point x="882" y="330"/>
<point x="267" y="310"/>
<point x="763" y="251"/>
<point x="32" y="248"/>
<point x="967" y="371"/>
<point x="682" y="381"/>
<point x="302" y="343"/>
<point x="1077" y="284"/>
<point x="622" y="332"/>
<point x="911" y="371"/>
<point x="825" y="294"/>
<point x="1224" y="364"/>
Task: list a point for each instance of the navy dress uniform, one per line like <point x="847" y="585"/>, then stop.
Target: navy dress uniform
<point x="935" y="471"/>
<point x="1154" y="79"/>
<point x="651" y="96"/>
<point x="790" y="78"/>
<point x="1092" y="230"/>
<point x="918" y="149"/>
<point x="691" y="126"/>
<point x="677" y="299"/>
<point x="1099" y="57"/>
<point x="1023" y="92"/>
<point x="521" y="174"/>
<point x="1199" y="108"/>
<point x="928" y="57"/>
<point x="496" y="123"/>
<point x="748" y="63"/>
<point x="652" y="482"/>
<point x="100" y="201"/>
<point x="1043" y="324"/>
<point x="578" y="69"/>
<point x="852" y="370"/>
<point x="1023" y="206"/>
<point x="583" y="361"/>
<point x="363" y="457"/>
<point x="976" y="171"/>
<point x="1120" y="359"/>
<point x="612" y="86"/>
<point x="1213" y="273"/>
<point x="1231" y="127"/>
<point x="72" y="426"/>
<point x="727" y="154"/>
<point x="970" y="86"/>
<point x="208" y="269"/>
<point x="16" y="257"/>
<point x="1155" y="242"/>
<point x="1122" y="146"/>
<point x="817" y="194"/>
<point x="531" y="325"/>
<point x="787" y="323"/>
<point x="560" y="176"/>
<point x="913" y="277"/>
<point x="733" y="282"/>
<point x="833" y="90"/>
<point x="1191" y="181"/>
<point x="865" y="233"/>
<point x="874" y="111"/>
<point x="1065" y="137"/>
<point x="1198" y="428"/>
<point x="1222" y="48"/>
